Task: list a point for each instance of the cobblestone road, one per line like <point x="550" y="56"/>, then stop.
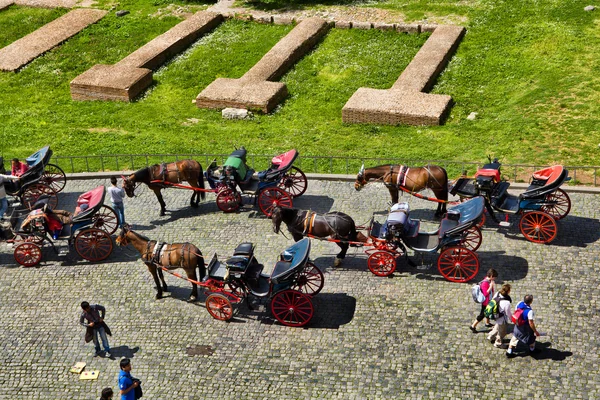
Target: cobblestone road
<point x="371" y="338"/>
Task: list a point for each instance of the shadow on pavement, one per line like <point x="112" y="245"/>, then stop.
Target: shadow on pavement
<point x="123" y="351"/>
<point x="320" y="204"/>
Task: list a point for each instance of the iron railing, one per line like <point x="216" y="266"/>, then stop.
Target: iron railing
<point x="310" y="164"/>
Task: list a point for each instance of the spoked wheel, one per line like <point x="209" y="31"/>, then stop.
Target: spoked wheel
<point x="54" y="177"/>
<point x="106" y="219"/>
<point x="562" y="205"/>
<point x="272" y="197"/>
<point x="310" y="280"/>
<point x="471" y="238"/>
<point x="458" y="264"/>
<point x="294" y="182"/>
<point x="228" y="200"/>
<point x="538" y="227"/>
<point x="93" y="244"/>
<point x="28" y="254"/>
<point x="33" y="193"/>
<point x="382" y="263"/>
<point x="482" y="222"/>
<point x="292" y="308"/>
<point x="219" y="307"/>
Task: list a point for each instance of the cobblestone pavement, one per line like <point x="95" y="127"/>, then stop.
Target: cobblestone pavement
<point x="406" y="336"/>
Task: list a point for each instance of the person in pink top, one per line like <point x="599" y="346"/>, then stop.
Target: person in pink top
<point x="17" y="167"/>
<point x="488" y="288"/>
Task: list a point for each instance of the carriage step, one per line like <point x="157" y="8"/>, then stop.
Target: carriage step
<point x="62" y="253"/>
<point x="505" y="224"/>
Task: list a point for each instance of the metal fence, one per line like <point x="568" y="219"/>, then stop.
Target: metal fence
<point x="310" y="164"/>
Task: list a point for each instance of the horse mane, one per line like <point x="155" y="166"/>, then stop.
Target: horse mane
<point x="143" y="174"/>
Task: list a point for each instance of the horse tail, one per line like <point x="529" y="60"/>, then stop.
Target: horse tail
<point x="445" y="184"/>
<point x="200" y="263"/>
<point x="201" y="182"/>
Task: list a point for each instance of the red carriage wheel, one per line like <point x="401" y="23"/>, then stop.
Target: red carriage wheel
<point x="310" y="280"/>
<point x="272" y="197"/>
<point x="562" y="205"/>
<point x="458" y="264"/>
<point x="93" y="244"/>
<point x="28" y="254"/>
<point x="482" y="221"/>
<point x="106" y="219"/>
<point x="228" y="200"/>
<point x="382" y="263"/>
<point x="33" y="193"/>
<point x="294" y="182"/>
<point x="292" y="308"/>
<point x="538" y="227"/>
<point x="471" y="238"/>
<point x="54" y="177"/>
<point x="219" y="307"/>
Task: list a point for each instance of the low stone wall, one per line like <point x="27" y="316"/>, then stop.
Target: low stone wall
<point x="405" y="102"/>
<point x="256" y="89"/>
<point x="132" y="75"/>
<point x="24" y="50"/>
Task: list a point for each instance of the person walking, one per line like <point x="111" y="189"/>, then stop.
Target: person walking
<point x="117" y="195"/>
<point x="3" y="199"/>
<point x="107" y="394"/>
<point x="127" y="384"/>
<point x="487" y="287"/>
<point x="526" y="332"/>
<point x="503" y="300"/>
<point x="17" y="168"/>
<point x="95" y="326"/>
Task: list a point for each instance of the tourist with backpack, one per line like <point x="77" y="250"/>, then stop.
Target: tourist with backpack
<point x="525" y="330"/>
<point x="502" y="313"/>
<point x="487" y="288"/>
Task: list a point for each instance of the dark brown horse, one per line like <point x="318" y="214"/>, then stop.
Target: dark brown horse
<point x="336" y="225"/>
<point x="170" y="256"/>
<point x="412" y="179"/>
<point x="175" y="172"/>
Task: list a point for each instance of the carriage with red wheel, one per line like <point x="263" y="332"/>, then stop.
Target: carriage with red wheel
<point x="80" y="229"/>
<point x="41" y="179"/>
<point x="457" y="238"/>
<point x="275" y="186"/>
<point x="539" y="207"/>
<point x="289" y="287"/>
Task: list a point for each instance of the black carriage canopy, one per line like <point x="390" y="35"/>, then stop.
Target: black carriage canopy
<point x="294" y="258"/>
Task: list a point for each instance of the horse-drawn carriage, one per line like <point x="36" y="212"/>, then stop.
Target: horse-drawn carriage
<point x="457" y="238"/>
<point x="44" y="224"/>
<point x="274" y="186"/>
<point x="41" y="179"/>
<point x="289" y="286"/>
<point x="539" y="207"/>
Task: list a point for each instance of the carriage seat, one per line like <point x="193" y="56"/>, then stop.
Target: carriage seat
<point x="499" y="194"/>
<point x="244" y="249"/>
<point x="449" y="222"/>
<point x="280" y="271"/>
<point x="217" y="270"/>
<point x="239" y="153"/>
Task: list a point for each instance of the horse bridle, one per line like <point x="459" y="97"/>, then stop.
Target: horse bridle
<point x="128" y="181"/>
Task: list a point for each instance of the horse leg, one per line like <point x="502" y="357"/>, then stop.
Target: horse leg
<point x="159" y="292"/>
<point x="192" y="203"/>
<point x="442" y="195"/>
<point x="191" y="274"/>
<point x="394" y="192"/>
<point x="297" y="236"/>
<point x="341" y="255"/>
<point x="165" y="288"/>
<point x="163" y="206"/>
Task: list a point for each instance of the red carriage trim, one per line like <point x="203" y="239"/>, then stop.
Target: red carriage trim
<point x="91" y="198"/>
<point x="285" y="159"/>
<point x="494" y="173"/>
<point x="550" y="174"/>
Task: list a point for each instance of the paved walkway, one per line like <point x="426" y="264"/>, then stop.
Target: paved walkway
<point x="371" y="338"/>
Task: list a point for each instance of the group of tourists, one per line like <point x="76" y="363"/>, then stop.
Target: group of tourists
<point x="497" y="305"/>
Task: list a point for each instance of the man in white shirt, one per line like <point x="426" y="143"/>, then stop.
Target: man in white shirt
<point x="117" y="195"/>
<point x="3" y="200"/>
<point x="504" y="316"/>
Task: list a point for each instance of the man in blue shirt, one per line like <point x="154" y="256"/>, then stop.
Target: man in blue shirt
<point x="126" y="383"/>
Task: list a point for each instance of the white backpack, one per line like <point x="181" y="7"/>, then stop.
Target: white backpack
<point x="478" y="296"/>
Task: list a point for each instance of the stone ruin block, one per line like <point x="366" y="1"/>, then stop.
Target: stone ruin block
<point x="5" y="4"/>
<point x="343" y="24"/>
<point x="24" y="50"/>
<point x="362" y="25"/>
<point x="384" y="27"/>
<point x="132" y="75"/>
<point x="264" y="19"/>
<point x="256" y="90"/>
<point x="278" y="20"/>
<point x="408" y="28"/>
<point x="405" y="102"/>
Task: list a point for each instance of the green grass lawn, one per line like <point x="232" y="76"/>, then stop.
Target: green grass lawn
<point x="529" y="69"/>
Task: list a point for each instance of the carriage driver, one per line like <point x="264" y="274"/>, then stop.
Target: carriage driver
<point x="17" y="167"/>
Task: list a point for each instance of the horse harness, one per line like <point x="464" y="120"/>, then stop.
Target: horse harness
<point x="155" y="255"/>
<point x="164" y="171"/>
<point x="308" y="222"/>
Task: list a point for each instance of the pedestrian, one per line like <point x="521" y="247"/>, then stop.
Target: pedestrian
<point x="18" y="168"/>
<point x="95" y="326"/>
<point x="117" y="195"/>
<point x="127" y="383"/>
<point x="503" y="300"/>
<point x="487" y="288"/>
<point x="527" y="331"/>
<point x="3" y="200"/>
<point x="107" y="394"/>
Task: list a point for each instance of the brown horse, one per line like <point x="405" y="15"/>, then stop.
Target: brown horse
<point x="170" y="256"/>
<point x="336" y="225"/>
<point x="412" y="179"/>
<point x="175" y="172"/>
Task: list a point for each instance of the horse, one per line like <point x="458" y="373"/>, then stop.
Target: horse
<point x="336" y="225"/>
<point x="175" y="172"/>
<point x="412" y="179"/>
<point x="170" y="256"/>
